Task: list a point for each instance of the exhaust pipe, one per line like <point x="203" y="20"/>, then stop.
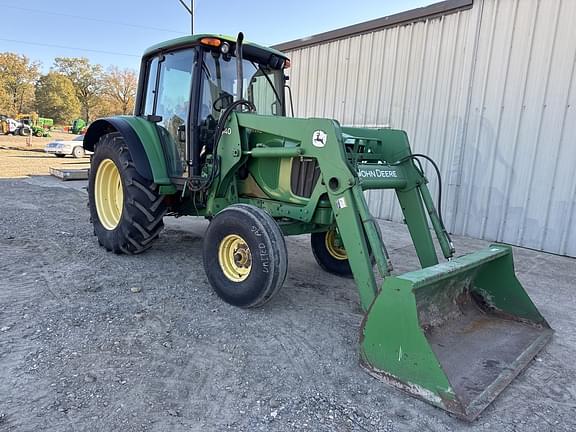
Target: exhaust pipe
<point x="239" y="66"/>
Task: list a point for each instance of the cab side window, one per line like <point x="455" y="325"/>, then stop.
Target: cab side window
<point x="150" y="87"/>
<point x="167" y="96"/>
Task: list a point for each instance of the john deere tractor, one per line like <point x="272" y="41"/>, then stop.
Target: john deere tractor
<point x="210" y="137"/>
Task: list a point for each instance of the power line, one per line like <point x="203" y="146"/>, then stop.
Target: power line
<point x="90" y="19"/>
<point x="69" y="47"/>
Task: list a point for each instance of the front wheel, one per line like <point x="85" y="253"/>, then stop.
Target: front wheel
<point x="245" y="256"/>
<point x="125" y="208"/>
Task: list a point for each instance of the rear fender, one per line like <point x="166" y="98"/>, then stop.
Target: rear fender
<point x="142" y="140"/>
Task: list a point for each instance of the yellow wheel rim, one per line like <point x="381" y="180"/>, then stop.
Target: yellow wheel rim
<point x="235" y="258"/>
<point x="108" y="194"/>
<point x="336" y="251"/>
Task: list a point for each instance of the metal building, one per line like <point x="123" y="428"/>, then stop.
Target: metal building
<point x="485" y="87"/>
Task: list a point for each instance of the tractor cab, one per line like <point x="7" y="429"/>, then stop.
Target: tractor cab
<point x="186" y="84"/>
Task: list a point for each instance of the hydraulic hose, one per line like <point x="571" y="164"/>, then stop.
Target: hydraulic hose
<point x="415" y="157"/>
<point x="217" y="135"/>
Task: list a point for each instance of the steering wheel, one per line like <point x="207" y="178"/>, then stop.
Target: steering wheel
<point x="222" y="101"/>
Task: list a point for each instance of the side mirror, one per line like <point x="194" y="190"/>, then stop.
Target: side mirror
<point x="154" y="118"/>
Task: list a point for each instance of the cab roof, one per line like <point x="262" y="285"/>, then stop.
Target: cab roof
<point x="192" y="39"/>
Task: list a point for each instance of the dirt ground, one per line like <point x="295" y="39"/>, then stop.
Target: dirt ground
<point x="33" y="142"/>
<point x="20" y="157"/>
<point x="91" y="341"/>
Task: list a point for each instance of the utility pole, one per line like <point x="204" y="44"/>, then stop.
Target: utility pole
<point x="190" y="10"/>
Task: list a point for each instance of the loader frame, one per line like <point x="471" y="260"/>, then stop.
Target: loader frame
<point x="377" y="159"/>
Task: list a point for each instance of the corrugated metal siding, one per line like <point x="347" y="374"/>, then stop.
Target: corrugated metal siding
<point x="487" y="92"/>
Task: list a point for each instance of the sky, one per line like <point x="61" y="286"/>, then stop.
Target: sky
<point x="117" y="32"/>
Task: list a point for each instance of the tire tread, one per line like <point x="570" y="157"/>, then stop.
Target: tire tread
<point x="142" y="216"/>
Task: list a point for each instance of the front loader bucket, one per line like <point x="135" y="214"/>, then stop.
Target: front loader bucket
<point x="454" y="334"/>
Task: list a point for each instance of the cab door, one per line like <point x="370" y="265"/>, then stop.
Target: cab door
<point x="167" y="102"/>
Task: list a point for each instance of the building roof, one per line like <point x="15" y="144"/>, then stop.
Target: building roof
<point x="406" y="17"/>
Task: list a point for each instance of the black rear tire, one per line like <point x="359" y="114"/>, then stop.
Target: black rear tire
<point x="331" y="259"/>
<point x="25" y="131"/>
<point x="143" y="207"/>
<point x="257" y="268"/>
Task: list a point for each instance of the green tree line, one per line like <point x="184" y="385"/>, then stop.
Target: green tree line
<point x="72" y="88"/>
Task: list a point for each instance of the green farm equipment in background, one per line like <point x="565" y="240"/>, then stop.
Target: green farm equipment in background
<point x="46" y="123"/>
<point x="38" y="126"/>
<point x="210" y="137"/>
<point x="40" y="131"/>
<point x="77" y="126"/>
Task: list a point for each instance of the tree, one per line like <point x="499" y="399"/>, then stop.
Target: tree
<point x="86" y="78"/>
<point x="4" y="100"/>
<point x="56" y="98"/>
<point x="105" y="107"/>
<point x="120" y="88"/>
<point x="17" y="78"/>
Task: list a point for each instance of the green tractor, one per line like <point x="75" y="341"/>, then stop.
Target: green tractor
<point x="37" y="126"/>
<point x="77" y="126"/>
<point x="210" y="137"/>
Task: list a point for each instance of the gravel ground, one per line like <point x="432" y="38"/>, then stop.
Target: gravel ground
<point x="91" y="341"/>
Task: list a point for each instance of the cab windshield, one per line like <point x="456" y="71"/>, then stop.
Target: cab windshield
<point x="263" y="86"/>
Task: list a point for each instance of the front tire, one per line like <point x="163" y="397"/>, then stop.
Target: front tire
<point x="245" y="256"/>
<point x="125" y="208"/>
